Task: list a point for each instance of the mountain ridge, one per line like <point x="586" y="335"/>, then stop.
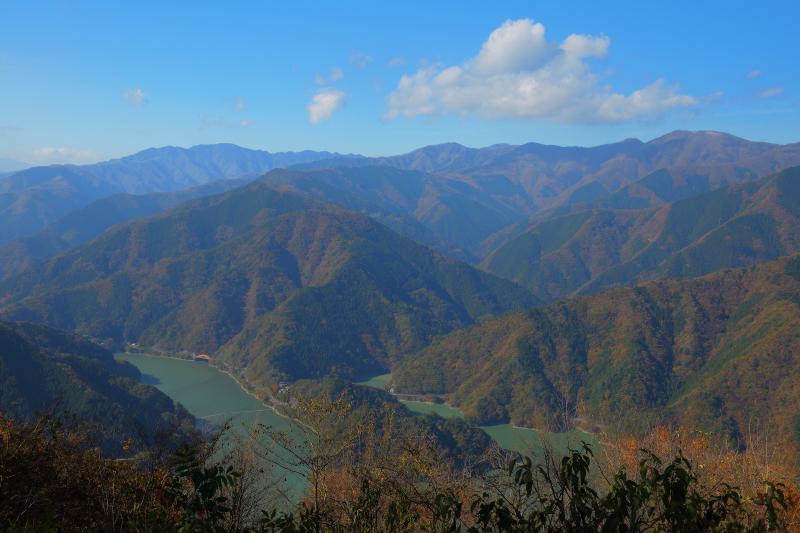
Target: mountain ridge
<point x="34" y="197"/>
<point x="586" y="250"/>
<point x="273" y="282"/>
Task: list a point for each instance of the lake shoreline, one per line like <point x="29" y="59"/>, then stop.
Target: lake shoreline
<point x="268" y="405"/>
<point x="218" y="400"/>
<point x="519" y="439"/>
<point x="509" y="436"/>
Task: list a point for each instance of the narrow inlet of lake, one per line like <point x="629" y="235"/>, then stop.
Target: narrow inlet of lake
<point x="519" y="439"/>
<point x="215" y="397"/>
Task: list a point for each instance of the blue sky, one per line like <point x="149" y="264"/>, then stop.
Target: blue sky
<point x="83" y="81"/>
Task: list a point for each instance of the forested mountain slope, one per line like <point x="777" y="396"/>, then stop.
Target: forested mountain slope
<point x="280" y="286"/>
<point x="582" y="252"/>
<point x="715" y="352"/>
<point x="44" y="371"/>
<point x="450" y="215"/>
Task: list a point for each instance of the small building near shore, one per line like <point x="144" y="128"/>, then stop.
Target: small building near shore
<point x="202" y="358"/>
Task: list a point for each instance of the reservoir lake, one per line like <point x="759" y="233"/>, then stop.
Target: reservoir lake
<point x="214" y="396"/>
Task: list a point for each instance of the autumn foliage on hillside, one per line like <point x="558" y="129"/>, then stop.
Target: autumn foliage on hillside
<point x="365" y="480"/>
<point x="755" y="471"/>
<point x="714" y="352"/>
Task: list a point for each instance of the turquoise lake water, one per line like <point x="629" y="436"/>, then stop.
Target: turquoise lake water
<point x="215" y="397"/>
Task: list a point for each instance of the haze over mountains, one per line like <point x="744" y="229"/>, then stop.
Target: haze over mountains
<point x="38" y="196"/>
<point x="88" y="222"/>
<point x="11" y="165"/>
<point x="466" y="203"/>
<point x="449" y="215"/>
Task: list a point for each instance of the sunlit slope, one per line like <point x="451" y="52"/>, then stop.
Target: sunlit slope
<point x="716" y="352"/>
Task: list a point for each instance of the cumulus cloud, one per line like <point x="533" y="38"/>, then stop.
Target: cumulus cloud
<point x="52" y="155"/>
<point x="134" y="97"/>
<point x="769" y="93"/>
<point x="324" y="104"/>
<point x="359" y="58"/>
<point x="519" y="73"/>
<point x="753" y="74"/>
<point x="335" y="74"/>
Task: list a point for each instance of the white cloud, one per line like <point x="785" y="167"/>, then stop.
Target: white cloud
<point x="769" y="93"/>
<point x="753" y="74"/>
<point x="51" y="155"/>
<point x="518" y="73"/>
<point x="324" y="104"/>
<point x="515" y="46"/>
<point x="578" y="46"/>
<point x="359" y="58"/>
<point x="335" y="74"/>
<point x="135" y="97"/>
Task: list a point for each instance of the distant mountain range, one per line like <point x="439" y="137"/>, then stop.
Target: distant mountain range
<point x="491" y="189"/>
<point x="479" y="195"/>
<point x="48" y="372"/>
<point x="279" y="285"/>
<point x="38" y="196"/>
<point x="467" y="202"/>
<point x="532" y="177"/>
<point x="720" y="352"/>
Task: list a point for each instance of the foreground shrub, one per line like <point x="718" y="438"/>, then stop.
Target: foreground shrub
<point x="50" y="480"/>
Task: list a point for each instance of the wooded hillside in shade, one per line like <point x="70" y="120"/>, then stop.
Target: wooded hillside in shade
<point x="48" y="372"/>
